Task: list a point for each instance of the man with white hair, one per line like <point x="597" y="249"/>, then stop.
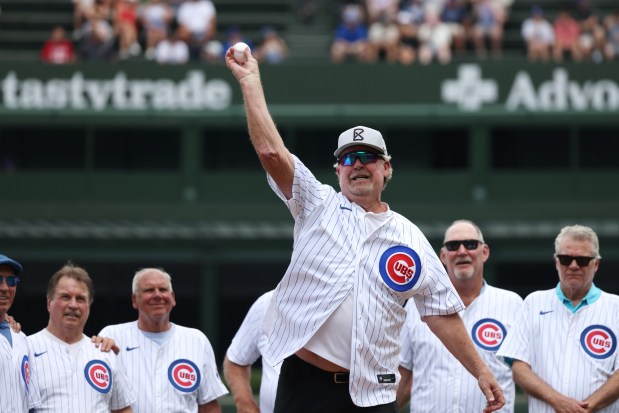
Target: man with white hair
<point x="172" y="368"/>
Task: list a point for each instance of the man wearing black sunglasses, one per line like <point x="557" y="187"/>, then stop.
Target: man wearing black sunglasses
<point x="335" y="318"/>
<point x="17" y="394"/>
<point x="564" y="347"/>
<point x="426" y="365"/>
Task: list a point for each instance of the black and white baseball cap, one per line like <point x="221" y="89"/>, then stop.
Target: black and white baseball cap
<point x="361" y="135"/>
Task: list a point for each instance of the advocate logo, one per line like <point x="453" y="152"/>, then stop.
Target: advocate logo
<point x="470" y="91"/>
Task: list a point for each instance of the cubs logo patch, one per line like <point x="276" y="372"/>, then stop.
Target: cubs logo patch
<point x="184" y="375"/>
<point x="25" y="371"/>
<point x="400" y="268"/>
<point x="488" y="334"/>
<point x="98" y="375"/>
<point x="598" y="341"/>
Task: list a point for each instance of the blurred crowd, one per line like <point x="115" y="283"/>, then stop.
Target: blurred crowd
<point x="406" y="31"/>
<point x="395" y="31"/>
<point x="165" y="31"/>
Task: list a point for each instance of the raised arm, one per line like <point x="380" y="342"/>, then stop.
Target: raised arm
<point x="237" y="377"/>
<point x="452" y="333"/>
<point x="273" y="154"/>
<point x="534" y="386"/>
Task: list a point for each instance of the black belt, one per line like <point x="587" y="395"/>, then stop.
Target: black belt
<point x="309" y="370"/>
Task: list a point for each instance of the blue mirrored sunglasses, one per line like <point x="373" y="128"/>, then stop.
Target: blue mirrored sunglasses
<point x="350" y="158"/>
<point x="11" y="280"/>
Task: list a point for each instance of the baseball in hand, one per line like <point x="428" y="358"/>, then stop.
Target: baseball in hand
<point x="239" y="52"/>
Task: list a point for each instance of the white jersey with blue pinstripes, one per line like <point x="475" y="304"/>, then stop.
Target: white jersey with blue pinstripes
<point x="92" y="382"/>
<point x="17" y="392"/>
<point x="248" y="345"/>
<point x="440" y="382"/>
<point x="575" y="353"/>
<point x="175" y="377"/>
<point x="335" y="254"/>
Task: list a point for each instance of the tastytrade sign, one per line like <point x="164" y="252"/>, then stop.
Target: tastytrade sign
<point x="193" y="92"/>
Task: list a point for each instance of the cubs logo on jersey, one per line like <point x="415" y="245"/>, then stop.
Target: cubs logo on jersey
<point x="25" y="371"/>
<point x="400" y="268"/>
<point x="98" y="375"/>
<point x="184" y="375"/>
<point x="488" y="334"/>
<point x="598" y="341"/>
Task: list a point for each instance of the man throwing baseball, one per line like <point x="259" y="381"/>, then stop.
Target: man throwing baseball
<point x="335" y="318"/>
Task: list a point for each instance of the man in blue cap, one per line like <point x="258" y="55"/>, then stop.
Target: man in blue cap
<point x="17" y="394"/>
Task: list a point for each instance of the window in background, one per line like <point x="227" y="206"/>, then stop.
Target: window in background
<point x="228" y="149"/>
<point x="516" y="148"/>
<point x="32" y="149"/>
<point x="599" y="148"/>
<point x="137" y="149"/>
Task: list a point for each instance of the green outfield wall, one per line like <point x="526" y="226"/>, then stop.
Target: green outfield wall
<point x="122" y="166"/>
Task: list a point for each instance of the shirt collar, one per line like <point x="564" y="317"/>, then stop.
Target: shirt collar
<point x="591" y="297"/>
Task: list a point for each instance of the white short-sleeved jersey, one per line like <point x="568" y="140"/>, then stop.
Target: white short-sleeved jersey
<point x="335" y="254"/>
<point x="93" y="382"/>
<point x="575" y="353"/>
<point x="17" y="392"/>
<point x="172" y="378"/>
<point x="440" y="382"/>
<point x="248" y="345"/>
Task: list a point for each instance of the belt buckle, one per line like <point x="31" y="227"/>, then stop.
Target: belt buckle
<point x="340" y="378"/>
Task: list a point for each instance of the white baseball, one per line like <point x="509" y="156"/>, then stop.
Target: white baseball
<point x="239" y="52"/>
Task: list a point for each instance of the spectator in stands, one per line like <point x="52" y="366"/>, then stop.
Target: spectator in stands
<point x="455" y="15"/>
<point x="611" y="24"/>
<point x="376" y="9"/>
<point x="126" y="27"/>
<point x="213" y="51"/>
<point x="82" y="11"/>
<point x="351" y="36"/>
<point x="489" y="17"/>
<point x="567" y="35"/>
<point x="172" y="50"/>
<point x="272" y="47"/>
<point x="592" y="36"/>
<point x="410" y="18"/>
<point x="96" y="40"/>
<point x="306" y="10"/>
<point x="197" y="20"/>
<point x="58" y="49"/>
<point x="538" y="35"/>
<point x="384" y="39"/>
<point x="155" y="17"/>
<point x="434" y="39"/>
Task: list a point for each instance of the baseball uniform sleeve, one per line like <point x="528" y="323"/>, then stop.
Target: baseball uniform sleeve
<point x="211" y="386"/>
<point x="516" y="344"/>
<point x="244" y="349"/>
<point x="122" y="395"/>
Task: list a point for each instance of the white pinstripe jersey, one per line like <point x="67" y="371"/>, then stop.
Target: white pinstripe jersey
<point x="173" y="378"/>
<point x="93" y="383"/>
<point x="17" y="391"/>
<point x="575" y="353"/>
<point x="440" y="382"/>
<point x="248" y="345"/>
<point x="334" y="254"/>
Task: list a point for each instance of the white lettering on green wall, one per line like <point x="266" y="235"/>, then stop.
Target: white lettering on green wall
<point x="77" y="93"/>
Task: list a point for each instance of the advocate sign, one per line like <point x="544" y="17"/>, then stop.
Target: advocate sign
<point x="470" y="92"/>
